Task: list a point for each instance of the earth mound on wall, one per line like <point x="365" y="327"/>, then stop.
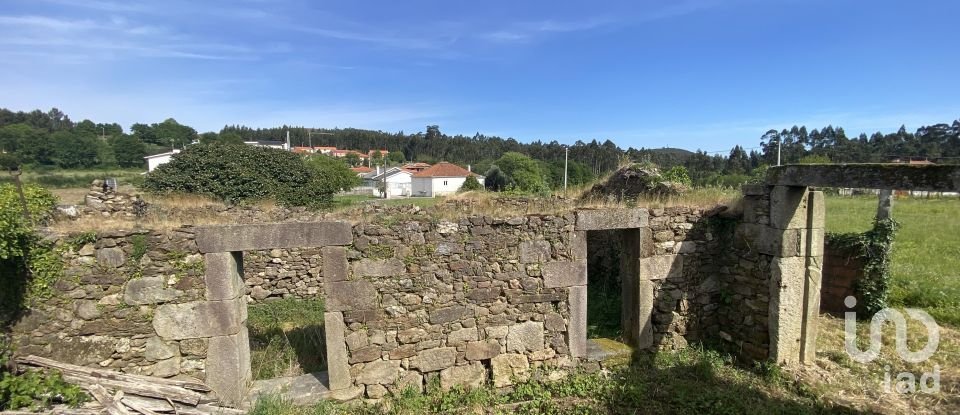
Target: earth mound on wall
<point x="634" y="181"/>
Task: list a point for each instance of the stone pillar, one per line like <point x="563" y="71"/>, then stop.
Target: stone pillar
<point x="816" y="211"/>
<point x="577" y="327"/>
<point x="228" y="356"/>
<point x="885" y="205"/>
<point x="338" y="366"/>
<point x="788" y="271"/>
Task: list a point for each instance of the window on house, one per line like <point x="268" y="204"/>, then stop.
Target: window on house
<point x="444" y="182"/>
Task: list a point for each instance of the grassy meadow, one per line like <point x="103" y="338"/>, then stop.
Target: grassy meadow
<point x="926" y="251"/>
<point x="80" y="178"/>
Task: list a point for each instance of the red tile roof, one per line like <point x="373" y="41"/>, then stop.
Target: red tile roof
<point x="361" y="169"/>
<point x="443" y="169"/>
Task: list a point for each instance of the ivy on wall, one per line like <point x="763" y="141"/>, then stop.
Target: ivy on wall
<point x="874" y="248"/>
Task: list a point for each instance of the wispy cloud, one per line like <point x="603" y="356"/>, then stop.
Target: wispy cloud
<point x="116" y="36"/>
<point x="529" y="31"/>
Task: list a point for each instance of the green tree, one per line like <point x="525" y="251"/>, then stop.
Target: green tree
<point x="471" y="184"/>
<point x="352" y="159"/>
<point x="74" y="151"/>
<point x="171" y="132"/>
<point x="495" y="180"/>
<point x="396" y="157"/>
<point x="238" y="174"/>
<point x="377" y="158"/>
<point x="524" y="172"/>
<point x="128" y="151"/>
<point x="433" y="132"/>
<point x="333" y="174"/>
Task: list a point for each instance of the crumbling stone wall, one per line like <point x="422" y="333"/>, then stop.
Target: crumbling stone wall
<point x="412" y="299"/>
<point x="105" y="311"/>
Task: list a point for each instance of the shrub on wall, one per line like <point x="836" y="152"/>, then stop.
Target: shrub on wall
<point x="239" y="173"/>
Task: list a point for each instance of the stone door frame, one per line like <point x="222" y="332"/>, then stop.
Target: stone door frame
<point x="797" y="221"/>
<point x="637" y="313"/>
<point x="222" y="318"/>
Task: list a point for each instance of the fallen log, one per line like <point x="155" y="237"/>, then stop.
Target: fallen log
<point x="109" y="374"/>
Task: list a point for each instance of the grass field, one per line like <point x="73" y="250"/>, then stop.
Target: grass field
<point x="61" y="179"/>
<point x="286" y="338"/>
<point x="926" y="251"/>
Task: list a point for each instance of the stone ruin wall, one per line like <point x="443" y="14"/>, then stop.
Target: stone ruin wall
<point x="104" y="309"/>
<point x="461" y="302"/>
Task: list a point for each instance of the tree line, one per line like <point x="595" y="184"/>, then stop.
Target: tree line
<point x="52" y="139"/>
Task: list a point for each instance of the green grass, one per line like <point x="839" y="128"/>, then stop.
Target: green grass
<point x="603" y="313"/>
<point x="59" y="178"/>
<point x="286" y="338"/>
<point x="688" y="381"/>
<point x="926" y="252"/>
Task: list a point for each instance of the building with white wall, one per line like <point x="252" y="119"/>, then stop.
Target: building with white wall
<point x="397" y="181"/>
<point x="441" y="179"/>
<point x="156" y="160"/>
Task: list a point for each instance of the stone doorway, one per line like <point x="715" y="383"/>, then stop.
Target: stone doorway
<point x="228" y="365"/>
<point x="612" y="290"/>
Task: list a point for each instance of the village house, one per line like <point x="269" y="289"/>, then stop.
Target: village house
<point x="441" y="179"/>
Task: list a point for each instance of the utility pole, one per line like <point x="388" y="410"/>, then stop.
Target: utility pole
<point x="779" y="140"/>
<point x="566" y="158"/>
<point x="288" y="140"/>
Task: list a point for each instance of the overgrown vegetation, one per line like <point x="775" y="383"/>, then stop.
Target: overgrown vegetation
<point x="20" y="249"/>
<point x="873" y="246"/>
<point x="28" y="269"/>
<point x="925" y="257"/>
<point x="286" y="338"/>
<point x="689" y="381"/>
<point x="240" y="173"/>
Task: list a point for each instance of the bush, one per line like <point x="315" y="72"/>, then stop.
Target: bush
<point x="15" y="231"/>
<point x="241" y="173"/>
<point x="677" y="174"/>
<point x="470" y="184"/>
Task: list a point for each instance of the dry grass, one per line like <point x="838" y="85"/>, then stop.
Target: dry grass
<point x="183" y="201"/>
<point x="861" y="386"/>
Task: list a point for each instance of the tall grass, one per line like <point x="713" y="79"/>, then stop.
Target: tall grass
<point x="926" y="251"/>
<point x="286" y="338"/>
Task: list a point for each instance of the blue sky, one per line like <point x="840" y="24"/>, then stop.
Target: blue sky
<point x="692" y="74"/>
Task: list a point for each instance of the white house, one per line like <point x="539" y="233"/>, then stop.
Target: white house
<point x="157" y="159"/>
<point x="279" y="145"/>
<point x="398" y="181"/>
<point x="441" y="179"/>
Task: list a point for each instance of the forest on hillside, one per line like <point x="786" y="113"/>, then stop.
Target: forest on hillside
<point x="52" y="139"/>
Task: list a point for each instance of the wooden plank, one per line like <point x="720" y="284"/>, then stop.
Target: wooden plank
<point x="110" y="374"/>
<point x="142" y="389"/>
<point x="101" y="395"/>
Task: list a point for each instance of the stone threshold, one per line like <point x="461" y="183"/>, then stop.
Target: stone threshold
<point x="301" y="390"/>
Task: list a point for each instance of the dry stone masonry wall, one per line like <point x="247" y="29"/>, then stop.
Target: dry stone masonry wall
<point x="108" y="308"/>
<point x="412" y="299"/>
